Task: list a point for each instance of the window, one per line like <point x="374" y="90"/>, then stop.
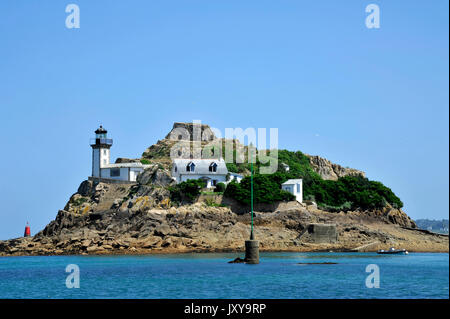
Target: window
<point x="180" y="137"/>
<point x="176" y="169"/>
<point x="190" y="167"/>
<point x="214" y="182"/>
<point x="104" y="161"/>
<point x="114" y="172"/>
<point x="104" y="152"/>
<point x="213" y="167"/>
<point x="298" y="188"/>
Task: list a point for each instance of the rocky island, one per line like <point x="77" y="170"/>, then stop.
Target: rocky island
<point x="146" y="216"/>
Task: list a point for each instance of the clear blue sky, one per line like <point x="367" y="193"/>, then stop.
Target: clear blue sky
<point x="372" y="99"/>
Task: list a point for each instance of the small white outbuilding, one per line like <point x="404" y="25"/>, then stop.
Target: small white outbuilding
<point x="295" y="187"/>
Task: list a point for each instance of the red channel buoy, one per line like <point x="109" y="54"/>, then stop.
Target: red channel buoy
<point x="27" y="232"/>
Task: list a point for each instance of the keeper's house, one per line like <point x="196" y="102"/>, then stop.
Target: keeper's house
<point x="101" y="166"/>
<point x="213" y="171"/>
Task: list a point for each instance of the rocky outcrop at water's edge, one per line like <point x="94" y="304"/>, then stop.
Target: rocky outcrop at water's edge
<point x="109" y="218"/>
<point x="138" y="219"/>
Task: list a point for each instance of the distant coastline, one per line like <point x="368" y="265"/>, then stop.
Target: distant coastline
<point x="439" y="226"/>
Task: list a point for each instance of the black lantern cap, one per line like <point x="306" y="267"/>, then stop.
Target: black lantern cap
<point x="101" y="130"/>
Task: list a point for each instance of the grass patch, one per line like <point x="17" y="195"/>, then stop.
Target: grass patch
<point x="79" y="201"/>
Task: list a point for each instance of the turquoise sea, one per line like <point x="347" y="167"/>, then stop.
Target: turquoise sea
<point x="417" y="275"/>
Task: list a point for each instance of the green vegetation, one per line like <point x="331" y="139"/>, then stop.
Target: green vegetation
<point x="186" y="191"/>
<point x="344" y="207"/>
<point x="79" y="201"/>
<point x="238" y="168"/>
<point x="145" y="161"/>
<point x="208" y="193"/>
<point x="220" y="188"/>
<point x="349" y="192"/>
<point x="265" y="190"/>
<point x="212" y="203"/>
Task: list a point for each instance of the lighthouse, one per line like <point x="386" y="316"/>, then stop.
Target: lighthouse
<point x="102" y="168"/>
<point x="100" y="151"/>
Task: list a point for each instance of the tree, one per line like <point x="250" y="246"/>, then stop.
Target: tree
<point x="186" y="191"/>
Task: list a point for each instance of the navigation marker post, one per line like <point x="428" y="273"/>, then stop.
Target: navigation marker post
<point x="251" y="245"/>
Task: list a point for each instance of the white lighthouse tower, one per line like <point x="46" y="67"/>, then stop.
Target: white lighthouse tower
<point x="100" y="151"/>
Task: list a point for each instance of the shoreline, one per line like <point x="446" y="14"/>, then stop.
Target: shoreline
<point x="202" y="229"/>
<point x="210" y="251"/>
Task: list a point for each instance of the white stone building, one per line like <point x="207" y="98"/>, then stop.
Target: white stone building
<point x="213" y="171"/>
<point x="101" y="166"/>
<point x="295" y="187"/>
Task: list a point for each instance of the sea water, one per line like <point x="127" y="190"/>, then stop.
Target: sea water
<point x="209" y="275"/>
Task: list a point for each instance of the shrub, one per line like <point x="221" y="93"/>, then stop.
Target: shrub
<point x="231" y="167"/>
<point x="212" y="203"/>
<point x="145" y="161"/>
<point x="79" y="201"/>
<point x="220" y="188"/>
<point x="344" y="207"/>
<point x="186" y="191"/>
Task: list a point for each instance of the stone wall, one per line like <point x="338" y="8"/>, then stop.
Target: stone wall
<point x="323" y="233"/>
<point x="109" y="180"/>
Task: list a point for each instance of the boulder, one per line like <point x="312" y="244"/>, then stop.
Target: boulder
<point x="92" y="249"/>
<point x="86" y="188"/>
<point x="237" y="260"/>
<point x="126" y="160"/>
<point x="156" y="176"/>
<point x="331" y="171"/>
<point x="162" y="230"/>
<point x="85" y="243"/>
<point x="397" y="216"/>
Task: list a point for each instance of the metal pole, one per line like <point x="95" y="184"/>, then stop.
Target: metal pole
<point x="251" y="191"/>
<point x="251" y="245"/>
